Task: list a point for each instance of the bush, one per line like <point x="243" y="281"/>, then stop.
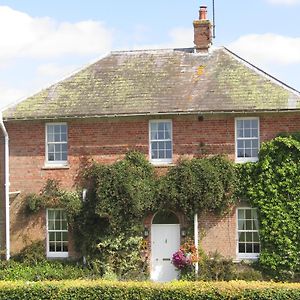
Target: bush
<point x="45" y="270"/>
<point x="105" y="290"/>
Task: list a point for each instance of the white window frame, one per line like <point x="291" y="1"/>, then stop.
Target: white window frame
<point x="55" y="162"/>
<point x="244" y="256"/>
<point x="54" y="254"/>
<point x="160" y="161"/>
<point x="246" y="159"/>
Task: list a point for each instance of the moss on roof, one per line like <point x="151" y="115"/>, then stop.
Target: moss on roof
<point x="159" y="81"/>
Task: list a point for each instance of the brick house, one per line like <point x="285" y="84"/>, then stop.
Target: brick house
<point x="164" y="103"/>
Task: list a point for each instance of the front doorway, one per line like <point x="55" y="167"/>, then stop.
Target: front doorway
<point x="165" y="240"/>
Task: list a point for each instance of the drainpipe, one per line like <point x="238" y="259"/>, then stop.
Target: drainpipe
<point x="196" y="240"/>
<point x="6" y="184"/>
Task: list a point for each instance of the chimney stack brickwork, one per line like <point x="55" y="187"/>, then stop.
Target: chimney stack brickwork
<point x="202" y="31"/>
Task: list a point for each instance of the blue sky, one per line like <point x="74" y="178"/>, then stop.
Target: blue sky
<point x="44" y="41"/>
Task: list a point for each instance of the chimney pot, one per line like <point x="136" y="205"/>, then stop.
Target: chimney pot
<point x="203" y="12"/>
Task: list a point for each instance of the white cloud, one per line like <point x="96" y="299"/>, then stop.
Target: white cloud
<point x="268" y="48"/>
<point x="284" y="2"/>
<point x="25" y="36"/>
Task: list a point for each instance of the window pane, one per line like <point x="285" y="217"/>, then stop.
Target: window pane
<point x="161" y="145"/>
<point x="56" y="128"/>
<point x="240" y="124"/>
<point x="254" y="133"/>
<point x="241" y="225"/>
<point x="64" y="225"/>
<point x="241" y="144"/>
<point x="64" y="156"/>
<point x="254" y="124"/>
<point x="254" y="153"/>
<point x="51" y="157"/>
<point x="249" y="225"/>
<point x="50" y="148"/>
<point x="161" y="126"/>
<point x="255" y="237"/>
<point x="241" y="153"/>
<point x="247" y="152"/>
<point x="58" y="236"/>
<point x="248" y="236"/>
<point x="254" y="143"/>
<point x="57" y="156"/>
<point x="154" y="145"/>
<point x="247" y="124"/>
<point x="161" y="154"/>
<point x="242" y="237"/>
<point x="249" y="248"/>
<point x="248" y="144"/>
<point x="154" y="154"/>
<point x="240" y="133"/>
<point x="241" y="214"/>
<point x="63" y="137"/>
<point x="161" y="135"/>
<point x="51" y="236"/>
<point x="248" y="214"/>
<point x="63" y="129"/>
<point x="51" y="225"/>
<point x="242" y="248"/>
<point x="256" y="248"/>
<point x="50" y="129"/>
<point x="50" y="138"/>
<point x="168" y="145"/>
<point x="52" y="247"/>
<point x="65" y="247"/>
<point x="169" y="154"/>
<point x="59" y="247"/>
<point x="247" y="133"/>
<point x="65" y="236"/>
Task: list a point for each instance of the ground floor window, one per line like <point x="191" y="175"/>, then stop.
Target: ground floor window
<point x="248" y="246"/>
<point x="57" y="233"/>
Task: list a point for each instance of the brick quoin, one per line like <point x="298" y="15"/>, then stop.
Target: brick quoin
<point x="107" y="140"/>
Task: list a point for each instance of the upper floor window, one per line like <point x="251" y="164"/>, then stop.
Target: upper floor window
<point x="160" y="132"/>
<point x="57" y="143"/>
<point x="247" y="139"/>
<point x="57" y="233"/>
<point x="248" y="237"/>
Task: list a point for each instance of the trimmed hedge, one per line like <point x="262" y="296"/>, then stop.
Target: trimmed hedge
<point x="105" y="290"/>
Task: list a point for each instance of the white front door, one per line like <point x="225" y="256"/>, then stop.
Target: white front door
<point x="165" y="240"/>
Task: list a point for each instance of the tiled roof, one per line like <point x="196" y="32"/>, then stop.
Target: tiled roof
<point x="160" y="82"/>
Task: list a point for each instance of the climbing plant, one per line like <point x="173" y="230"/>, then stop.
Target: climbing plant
<point x="273" y="186"/>
<point x="108" y="224"/>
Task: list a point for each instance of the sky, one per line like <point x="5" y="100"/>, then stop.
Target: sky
<point x="42" y="42"/>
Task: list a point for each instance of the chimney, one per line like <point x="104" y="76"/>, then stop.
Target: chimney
<point x="202" y="31"/>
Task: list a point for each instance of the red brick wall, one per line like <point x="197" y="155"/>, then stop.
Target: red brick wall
<point x="107" y="140"/>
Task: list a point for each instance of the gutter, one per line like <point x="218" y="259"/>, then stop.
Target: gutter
<point x="6" y="184"/>
<point x="154" y="114"/>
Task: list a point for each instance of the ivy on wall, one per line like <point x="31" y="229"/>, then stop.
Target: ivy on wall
<point x="108" y="224"/>
<point x="273" y="186"/>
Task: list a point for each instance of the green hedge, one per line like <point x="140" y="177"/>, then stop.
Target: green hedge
<point x="144" y="290"/>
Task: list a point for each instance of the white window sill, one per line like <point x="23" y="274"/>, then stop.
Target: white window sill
<point x="245" y="160"/>
<point x="247" y="258"/>
<point x="55" y="166"/>
<point x="57" y="254"/>
<point x="162" y="163"/>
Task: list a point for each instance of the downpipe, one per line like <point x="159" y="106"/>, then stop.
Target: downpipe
<point x="6" y="185"/>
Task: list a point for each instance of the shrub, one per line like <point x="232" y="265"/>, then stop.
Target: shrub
<point x="105" y="290"/>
